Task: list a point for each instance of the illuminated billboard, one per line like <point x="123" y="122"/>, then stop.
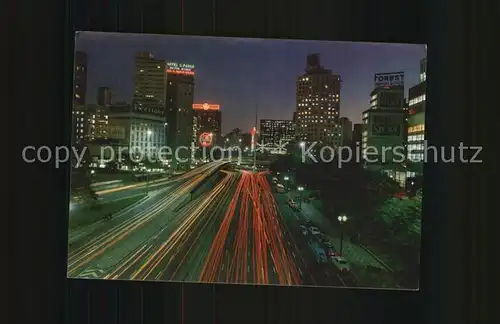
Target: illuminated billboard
<point x="180" y="68"/>
<point x="205" y="106"/>
<point x="205" y="139"/>
<point x="392" y="79"/>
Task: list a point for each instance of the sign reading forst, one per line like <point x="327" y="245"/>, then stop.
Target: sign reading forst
<point x="389" y="79"/>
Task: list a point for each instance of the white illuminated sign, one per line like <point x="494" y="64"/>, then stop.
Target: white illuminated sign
<point x="389" y="79"/>
<point x="180" y="68"/>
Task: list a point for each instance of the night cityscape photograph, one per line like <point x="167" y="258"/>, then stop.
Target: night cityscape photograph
<point x="247" y="161"/>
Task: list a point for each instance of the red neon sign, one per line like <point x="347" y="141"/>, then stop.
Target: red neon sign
<point x="205" y="139"/>
<point x="181" y="72"/>
<point x="206" y="106"/>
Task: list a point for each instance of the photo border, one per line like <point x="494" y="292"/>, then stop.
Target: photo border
<point x="452" y="211"/>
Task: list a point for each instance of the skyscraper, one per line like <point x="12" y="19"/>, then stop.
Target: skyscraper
<point x="384" y="126"/>
<point x="104" y="96"/>
<point x="80" y="78"/>
<point x="149" y="89"/>
<point x="208" y="120"/>
<point x="318" y="104"/>
<point x="179" y="111"/>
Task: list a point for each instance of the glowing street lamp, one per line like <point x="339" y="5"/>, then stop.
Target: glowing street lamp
<point x="300" y="189"/>
<point x="342" y="219"/>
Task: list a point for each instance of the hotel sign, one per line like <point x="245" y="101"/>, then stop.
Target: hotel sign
<point x="389" y="79"/>
<point x="180" y="68"/>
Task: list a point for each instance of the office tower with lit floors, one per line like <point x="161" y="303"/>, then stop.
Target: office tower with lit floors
<point x="97" y="122"/>
<point x="416" y="125"/>
<point x="149" y="87"/>
<point x="208" y="118"/>
<point x="179" y="113"/>
<point x="383" y="136"/>
<point x="318" y="104"/>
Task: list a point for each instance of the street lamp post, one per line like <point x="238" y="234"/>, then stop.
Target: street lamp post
<point x="342" y="219"/>
<point x="286" y="178"/>
<point x="300" y="189"/>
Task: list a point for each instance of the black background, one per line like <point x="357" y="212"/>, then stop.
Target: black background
<point x="455" y="204"/>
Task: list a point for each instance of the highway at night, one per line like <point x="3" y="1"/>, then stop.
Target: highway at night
<point x="212" y="224"/>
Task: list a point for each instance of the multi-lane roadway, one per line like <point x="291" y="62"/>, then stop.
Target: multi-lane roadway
<point x="232" y="230"/>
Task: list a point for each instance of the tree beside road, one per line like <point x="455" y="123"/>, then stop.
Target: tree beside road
<point x="381" y="216"/>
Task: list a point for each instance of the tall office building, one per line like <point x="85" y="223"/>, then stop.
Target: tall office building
<point x="384" y="126"/>
<point x="97" y="122"/>
<point x="416" y="124"/>
<point x="346" y="130"/>
<point x="80" y="78"/>
<point x="104" y="97"/>
<point x="179" y="111"/>
<point x="275" y="134"/>
<point x="208" y="119"/>
<point x="318" y="104"/>
<point x="149" y="88"/>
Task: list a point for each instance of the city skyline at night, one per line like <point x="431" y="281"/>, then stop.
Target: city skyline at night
<point x="220" y="160"/>
<point x="239" y="74"/>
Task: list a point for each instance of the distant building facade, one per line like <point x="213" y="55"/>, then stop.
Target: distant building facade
<point x="142" y="134"/>
<point x="104" y="96"/>
<point x="346" y="129"/>
<point x="80" y="78"/>
<point x="276" y="133"/>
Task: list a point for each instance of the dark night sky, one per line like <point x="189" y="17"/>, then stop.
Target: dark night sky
<point x="239" y="73"/>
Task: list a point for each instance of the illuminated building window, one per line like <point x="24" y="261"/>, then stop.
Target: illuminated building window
<point x="416" y="128"/>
